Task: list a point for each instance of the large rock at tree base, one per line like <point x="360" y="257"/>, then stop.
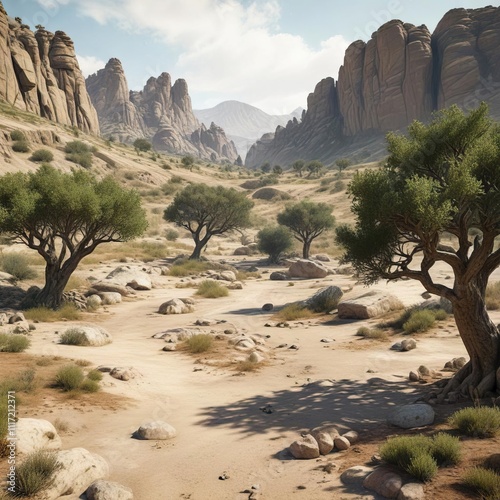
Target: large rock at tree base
<point x="78" y="469"/>
<point x="308" y="269"/>
<point x="369" y="305"/>
<point x="108" y="490"/>
<point x="156" y="430"/>
<point x="34" y="434"/>
<point x="95" y="335"/>
<point x="384" y="482"/>
<point x="305" y="448"/>
<point x="103" y="287"/>
<point x="411" y="416"/>
<point x="131" y="277"/>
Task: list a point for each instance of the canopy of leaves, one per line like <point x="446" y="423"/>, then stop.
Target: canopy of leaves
<point x="273" y="241"/>
<point x="142" y="145"/>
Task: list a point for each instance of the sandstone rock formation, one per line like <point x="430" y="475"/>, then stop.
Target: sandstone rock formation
<point x="401" y="74"/>
<point x="161" y="113"/>
<point x="39" y="73"/>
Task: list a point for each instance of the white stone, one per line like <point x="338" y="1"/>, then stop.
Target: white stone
<point x="305" y="448"/>
<point x="175" y="306"/>
<point x="157" y="430"/>
<point x="110" y="298"/>
<point x="356" y="474"/>
<point x="95" y="335"/>
<point x="411" y="416"/>
<point x="129" y="276"/>
<point x="255" y="357"/>
<point x="33" y="434"/>
<point x="308" y="269"/>
<point x="369" y="305"/>
<point x="411" y="491"/>
<point x="108" y="490"/>
<point x="94" y="301"/>
<point x="341" y="443"/>
<point x="324" y="440"/>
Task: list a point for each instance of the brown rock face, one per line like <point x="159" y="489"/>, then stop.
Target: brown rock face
<point x="161" y="112"/>
<point x="40" y="73"/>
<point x="403" y="73"/>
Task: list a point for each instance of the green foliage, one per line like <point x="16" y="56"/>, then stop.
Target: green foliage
<point x="35" y="473"/>
<point x="277" y="170"/>
<point x="315" y="168"/>
<point x="482" y="422"/>
<point x="274" y="241"/>
<point x="298" y="167"/>
<point x="265" y="167"/>
<point x="73" y="336"/>
<point x="371" y="333"/>
<point x="187" y="162"/>
<point x="446" y="449"/>
<point x="419" y="321"/>
<point x="17" y="135"/>
<point x="142" y="145"/>
<point x="10" y="342"/>
<point x="24" y="381"/>
<point x="484" y="482"/>
<point x="189" y="268"/>
<point x="207" y="211"/>
<point x="201" y="342"/>
<point x="80" y="153"/>
<point x="77" y="213"/>
<point x="171" y="235"/>
<point x="42" y="155"/>
<point x="94" y="375"/>
<point x="18" y="265"/>
<point x="69" y="378"/>
<point x="21" y="147"/>
<point x="422" y="467"/>
<point x="307" y="220"/>
<point x="342" y="163"/>
<point x="211" y="289"/>
<point x="293" y="312"/>
<point x="89" y="385"/>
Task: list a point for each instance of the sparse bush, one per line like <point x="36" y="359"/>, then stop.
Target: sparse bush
<point x="3" y="425"/>
<point x="44" y="314"/>
<point x="247" y="366"/>
<point x="42" y="155"/>
<point x="69" y="378"/>
<point x="211" y="289"/>
<point x="21" y="146"/>
<point x="422" y="467"/>
<point x="188" y="268"/>
<point x="73" y="336"/>
<point x="43" y="361"/>
<point x="17" y="135"/>
<point x="479" y="422"/>
<point x="176" y="179"/>
<point x="446" y="449"/>
<point x="24" y="381"/>
<point x="440" y="314"/>
<point x="199" y="343"/>
<point x="82" y="362"/>
<point x="61" y="425"/>
<point x="371" y="333"/>
<point x="419" y="321"/>
<point x="484" y="482"/>
<point x="338" y="187"/>
<point x="274" y="241"/>
<point x="18" y="265"/>
<point x="35" y="473"/>
<point x="295" y="311"/>
<point x="401" y="449"/>
<point x="95" y="375"/>
<point x="10" y="342"/>
<point x="171" y="234"/>
<point x="80" y="153"/>
<point x="493" y="296"/>
<point x="142" y="145"/>
<point x="90" y="385"/>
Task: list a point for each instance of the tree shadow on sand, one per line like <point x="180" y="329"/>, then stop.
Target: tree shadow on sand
<point x="359" y="405"/>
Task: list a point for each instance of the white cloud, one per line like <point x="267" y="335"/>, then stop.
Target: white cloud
<point x="89" y="64"/>
<point x="228" y="50"/>
<point x="52" y="4"/>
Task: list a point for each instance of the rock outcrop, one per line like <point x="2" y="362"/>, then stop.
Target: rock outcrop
<point x="161" y="113"/>
<point x="39" y="73"/>
<point x="403" y="73"/>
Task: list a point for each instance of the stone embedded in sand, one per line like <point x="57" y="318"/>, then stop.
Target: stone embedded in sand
<point x="268" y="307"/>
<point x="108" y="490"/>
<point x="94" y="301"/>
<point x="94" y="335"/>
<point x="110" y="298"/>
<point x="235" y="285"/>
<point x="157" y="430"/>
<point x="384" y="482"/>
<point x="424" y="371"/>
<point x="130" y="276"/>
<point x="369" y="305"/>
<point x="411" y="416"/>
<point x="413" y="376"/>
<point x="308" y="269"/>
<point x="122" y="373"/>
<point x="305" y="448"/>
<point x="324" y="440"/>
<point x="342" y="443"/>
<point x="351" y="436"/>
<point x="102" y="286"/>
<point x="226" y="276"/>
<point x="356" y="474"/>
<point x="175" y="306"/>
<point x="322" y="257"/>
<point x="279" y="276"/>
<point x="408" y="345"/>
<point x="411" y="491"/>
<point x="33" y="434"/>
<point x="170" y="347"/>
<point x="255" y="357"/>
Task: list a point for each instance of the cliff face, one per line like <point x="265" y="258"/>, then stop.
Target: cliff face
<point x="161" y="112"/>
<point x="39" y="73"/>
<point x="401" y="74"/>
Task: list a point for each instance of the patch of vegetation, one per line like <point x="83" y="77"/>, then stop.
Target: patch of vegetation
<point x="95" y="375"/>
<point x="73" y="336"/>
<point x="10" y="342"/>
<point x="419" y="321"/>
<point x="24" y="381"/>
<point x="35" y="473"/>
<point x="484" y="482"/>
<point x="189" y="268"/>
<point x="17" y="135"/>
<point x="201" y="342"/>
<point x="372" y="333"/>
<point x="46" y="315"/>
<point x="493" y="296"/>
<point x="422" y="467"/>
<point x="274" y="241"/>
<point x="482" y="422"/>
<point x="42" y="155"/>
<point x="90" y="385"/>
<point x="80" y="153"/>
<point x="212" y="289"/>
<point x="61" y="425"/>
<point x="142" y="145"/>
<point x="244" y="275"/>
<point x="295" y="311"/>
<point x="21" y="147"/>
<point x="171" y="234"/>
<point x="18" y="265"/>
<point x="247" y="366"/>
<point x="69" y="378"/>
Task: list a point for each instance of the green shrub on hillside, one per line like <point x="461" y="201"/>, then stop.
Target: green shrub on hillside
<point x="21" y="146"/>
<point x="42" y="155"/>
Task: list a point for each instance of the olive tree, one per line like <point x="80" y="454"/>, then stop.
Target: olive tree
<point x="274" y="241"/>
<point x="307" y="220"/>
<point x="64" y="217"/>
<point x="441" y="179"/>
<point x="207" y="211"/>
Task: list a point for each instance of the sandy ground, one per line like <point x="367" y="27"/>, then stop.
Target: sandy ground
<point x="221" y="428"/>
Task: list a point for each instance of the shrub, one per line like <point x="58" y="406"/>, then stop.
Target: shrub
<point x="401" y="449"/>
<point x="199" y="343"/>
<point x="211" y="289"/>
<point x="44" y="314"/>
<point x="423" y="467"/>
<point x="82" y="159"/>
<point x="17" y="135"/>
<point x="35" y="473"/>
<point x="338" y="187"/>
<point x="142" y="145"/>
<point x="247" y="366"/>
<point x="95" y="375"/>
<point x="446" y="449"/>
<point x="80" y="153"/>
<point x="61" y="425"/>
<point x="171" y="234"/>
<point x="90" y="385"/>
<point x="69" y="378"/>
<point x="440" y="314"/>
<point x="493" y="296"/>
<point x="273" y="241"/>
<point x="485" y="482"/>
<point x="419" y="321"/>
<point x="21" y="146"/>
<point x="73" y="336"/>
<point x="10" y="342"/>
<point x="371" y="333"/>
<point x="188" y="268"/>
<point x="292" y="312"/>
<point x="43" y="155"/>
<point x="3" y="425"/>
<point x="479" y="422"/>
<point x="18" y="265"/>
<point x="24" y="381"/>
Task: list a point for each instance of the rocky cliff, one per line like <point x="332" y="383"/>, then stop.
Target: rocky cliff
<point x="161" y="112"/>
<point x="401" y="74"/>
<point x="39" y="73"/>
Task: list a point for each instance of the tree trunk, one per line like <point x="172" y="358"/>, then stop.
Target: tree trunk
<point x="482" y="341"/>
<point x="56" y="280"/>
<point x="199" y="245"/>
<point x="306" y="249"/>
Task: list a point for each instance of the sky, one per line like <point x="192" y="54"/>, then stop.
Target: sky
<point x="268" y="53"/>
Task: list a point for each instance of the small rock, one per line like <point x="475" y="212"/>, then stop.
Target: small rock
<point x="411" y="491"/>
<point x="413" y="377"/>
<point x="121" y="373"/>
<point x="255" y="357"/>
<point x="108" y="490"/>
<point x="268" y="307"/>
<point x="356" y="474"/>
<point x="342" y="443"/>
<point x="396" y="346"/>
<point x="305" y="448"/>
<point x="293" y="346"/>
<point x="327" y="341"/>
<point x="351" y="436"/>
<point x="411" y="416"/>
<point x="424" y="371"/>
<point x="324" y="440"/>
<point x="157" y="430"/>
<point x="408" y="345"/>
<point x="384" y="482"/>
<point x="170" y="347"/>
<point x="279" y="276"/>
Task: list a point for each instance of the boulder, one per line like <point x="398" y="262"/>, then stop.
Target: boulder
<point x="411" y="491"/>
<point x="322" y="257"/>
<point x="325" y="300"/>
<point x="324" y="440"/>
<point x="408" y="345"/>
<point x="370" y="305"/>
<point x="157" y="430"/>
<point x="227" y="276"/>
<point x="34" y="434"/>
<point x="255" y="357"/>
<point x="175" y="306"/>
<point x="78" y="469"/>
<point x="351" y="436"/>
<point x="95" y="335"/>
<point x="242" y="251"/>
<point x="413" y="376"/>
<point x="109" y="298"/>
<point x="108" y="490"/>
<point x="411" y="416"/>
<point x="131" y="277"/>
<point x="268" y="307"/>
<point x="308" y="269"/>
<point x="103" y="286"/>
<point x="341" y="443"/>
<point x="305" y="448"/>
<point x="124" y="373"/>
<point x="94" y="301"/>
<point x="384" y="482"/>
<point x="279" y="276"/>
<point x="356" y="474"/>
<point x="235" y="285"/>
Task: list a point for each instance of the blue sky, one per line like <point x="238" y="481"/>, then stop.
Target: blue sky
<point x="268" y="53"/>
